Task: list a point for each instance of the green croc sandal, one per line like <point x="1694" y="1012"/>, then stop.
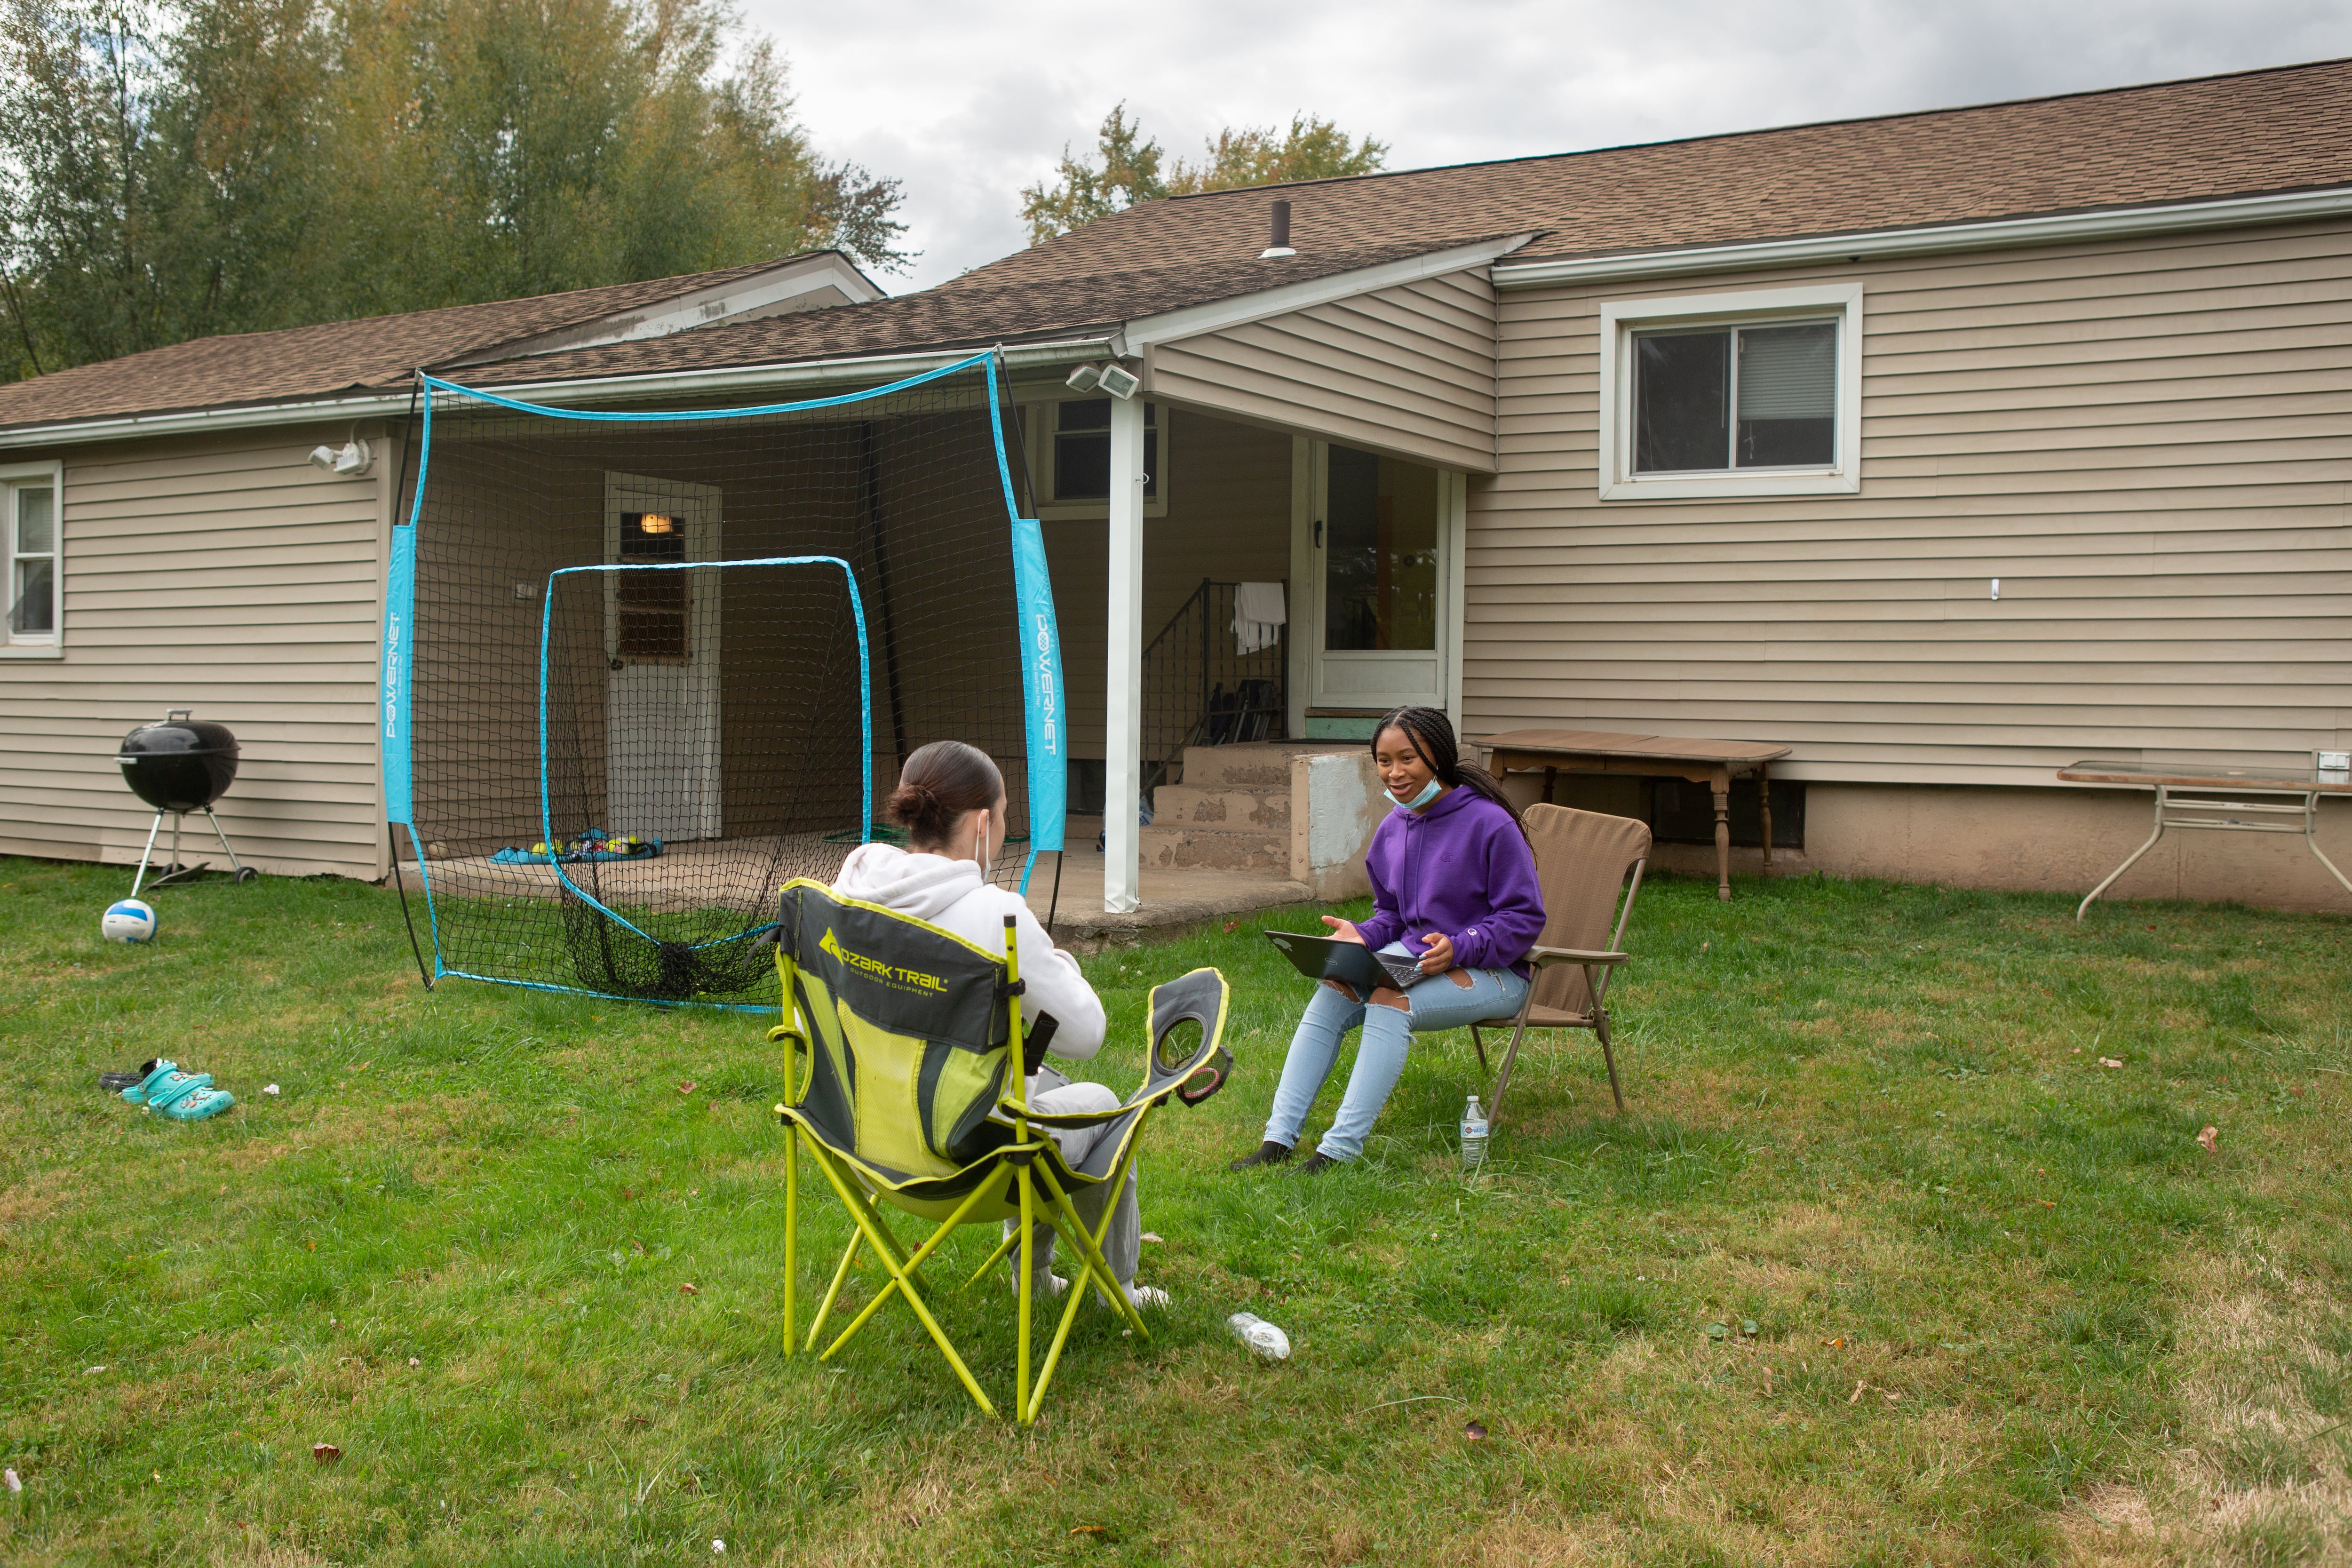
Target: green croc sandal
<point x="161" y="1077"/>
<point x="194" y="1099"/>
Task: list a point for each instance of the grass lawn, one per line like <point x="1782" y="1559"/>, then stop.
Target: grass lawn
<point x="2005" y="1307"/>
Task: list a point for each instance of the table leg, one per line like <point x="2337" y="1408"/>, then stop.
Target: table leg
<point x="1550" y="774"/>
<point x="1722" y="782"/>
<point x="2161" y="794"/>
<point x="2310" y="837"/>
<point x="1764" y="805"/>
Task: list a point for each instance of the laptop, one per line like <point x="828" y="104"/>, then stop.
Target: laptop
<point x="1350" y="963"/>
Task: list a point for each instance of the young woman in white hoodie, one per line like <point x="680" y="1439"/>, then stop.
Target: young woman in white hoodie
<point x="951" y="801"/>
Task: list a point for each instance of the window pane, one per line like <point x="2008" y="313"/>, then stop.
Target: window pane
<point x="1681" y="397"/>
<point x="1381" y="554"/>
<point x="1082" y="467"/>
<point x="36" y="532"/>
<point x="652" y="536"/>
<point x="1082" y="451"/>
<point x="33" y="607"/>
<point x="1787" y="396"/>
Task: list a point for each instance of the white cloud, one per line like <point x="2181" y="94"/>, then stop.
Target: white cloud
<point x="967" y="101"/>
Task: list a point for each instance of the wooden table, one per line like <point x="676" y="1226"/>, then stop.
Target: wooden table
<point x="1714" y="763"/>
<point x="2190" y="798"/>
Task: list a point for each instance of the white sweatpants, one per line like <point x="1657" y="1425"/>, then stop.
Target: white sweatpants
<point x="1123" y="1242"/>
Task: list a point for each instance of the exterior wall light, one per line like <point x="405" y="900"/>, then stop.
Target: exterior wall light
<point x="351" y="460"/>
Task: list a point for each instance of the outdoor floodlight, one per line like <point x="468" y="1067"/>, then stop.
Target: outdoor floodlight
<point x="1083" y="379"/>
<point x="1118" y="381"/>
<point x="351" y="460"/>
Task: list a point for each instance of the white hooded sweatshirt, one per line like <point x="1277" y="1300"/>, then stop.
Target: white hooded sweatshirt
<point x="951" y="895"/>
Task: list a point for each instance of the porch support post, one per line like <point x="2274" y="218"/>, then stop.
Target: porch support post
<point x="1123" y="711"/>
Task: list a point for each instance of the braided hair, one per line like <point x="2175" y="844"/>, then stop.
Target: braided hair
<point x="1431" y="735"/>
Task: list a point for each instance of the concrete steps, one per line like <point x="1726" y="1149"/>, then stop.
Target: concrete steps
<point x="1231" y="813"/>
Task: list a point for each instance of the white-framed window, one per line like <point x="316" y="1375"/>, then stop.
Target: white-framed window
<point x="1069" y="457"/>
<point x="1754" y="394"/>
<point x="32" y="558"/>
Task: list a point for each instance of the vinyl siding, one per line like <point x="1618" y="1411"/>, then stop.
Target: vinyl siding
<point x="2147" y="442"/>
<point x="227" y="575"/>
<point x="1407" y="370"/>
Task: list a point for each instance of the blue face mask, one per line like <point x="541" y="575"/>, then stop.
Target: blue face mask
<point x="1428" y="793"/>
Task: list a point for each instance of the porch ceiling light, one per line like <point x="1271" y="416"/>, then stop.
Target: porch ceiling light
<point x="1083" y="379"/>
<point x="657" y="523"/>
<point x="1118" y="381"/>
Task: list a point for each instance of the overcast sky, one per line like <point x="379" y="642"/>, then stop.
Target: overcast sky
<point x="967" y="101"/>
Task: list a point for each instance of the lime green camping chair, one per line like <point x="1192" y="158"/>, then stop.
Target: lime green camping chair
<point x="914" y="1098"/>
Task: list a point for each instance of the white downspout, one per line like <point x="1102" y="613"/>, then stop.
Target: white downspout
<point x="1123" y="711"/>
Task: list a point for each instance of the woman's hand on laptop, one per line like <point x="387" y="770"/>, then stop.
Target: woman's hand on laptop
<point x="1345" y="931"/>
<point x="1440" y="956"/>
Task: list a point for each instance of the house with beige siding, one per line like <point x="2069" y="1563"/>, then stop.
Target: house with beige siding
<point x="1945" y="449"/>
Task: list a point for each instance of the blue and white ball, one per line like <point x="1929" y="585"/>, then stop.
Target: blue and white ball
<point x="129" y="920"/>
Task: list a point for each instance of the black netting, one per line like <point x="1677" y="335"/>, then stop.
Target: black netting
<point x="638" y="699"/>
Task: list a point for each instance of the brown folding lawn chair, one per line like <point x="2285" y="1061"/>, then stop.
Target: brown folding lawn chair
<point x="1583" y="860"/>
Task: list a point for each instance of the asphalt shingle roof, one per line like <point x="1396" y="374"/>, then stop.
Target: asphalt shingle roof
<point x="2249" y="133"/>
<point x="372" y="352"/>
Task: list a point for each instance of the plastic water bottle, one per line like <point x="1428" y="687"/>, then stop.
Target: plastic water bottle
<point x="1474" y="1135"/>
<point x="1260" y="1335"/>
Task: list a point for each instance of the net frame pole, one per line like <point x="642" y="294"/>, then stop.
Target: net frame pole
<point x="1037" y="631"/>
<point x="865" y="698"/>
<point x="870" y="476"/>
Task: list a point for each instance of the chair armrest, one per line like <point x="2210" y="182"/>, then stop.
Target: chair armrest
<point x="1543" y="955"/>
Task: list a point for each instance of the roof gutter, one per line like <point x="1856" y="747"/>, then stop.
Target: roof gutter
<point x="373" y="406"/>
<point x="2112" y="224"/>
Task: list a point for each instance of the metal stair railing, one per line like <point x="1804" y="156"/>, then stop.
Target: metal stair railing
<point x="1198" y="690"/>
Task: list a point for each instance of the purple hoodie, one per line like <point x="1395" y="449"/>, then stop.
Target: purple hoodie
<point x="1462" y="868"/>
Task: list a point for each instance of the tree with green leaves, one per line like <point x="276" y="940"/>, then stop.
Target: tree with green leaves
<point x="174" y="168"/>
<point x="1312" y="149"/>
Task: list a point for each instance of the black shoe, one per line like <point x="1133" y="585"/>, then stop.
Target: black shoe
<point x="1268" y="1153"/>
<point x="1317" y="1164"/>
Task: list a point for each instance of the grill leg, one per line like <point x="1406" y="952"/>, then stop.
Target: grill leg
<point x="177" y="817"/>
<point x="233" y="866"/>
<point x="146" y="853"/>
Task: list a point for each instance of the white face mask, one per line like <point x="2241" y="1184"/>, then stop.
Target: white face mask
<point x="980" y="843"/>
<point x="1428" y="793"/>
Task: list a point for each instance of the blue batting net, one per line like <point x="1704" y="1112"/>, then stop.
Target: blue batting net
<point x="642" y="667"/>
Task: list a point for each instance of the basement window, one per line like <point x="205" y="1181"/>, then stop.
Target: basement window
<point x="1682" y="812"/>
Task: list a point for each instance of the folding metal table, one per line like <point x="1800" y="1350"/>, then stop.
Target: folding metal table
<point x="2210" y="801"/>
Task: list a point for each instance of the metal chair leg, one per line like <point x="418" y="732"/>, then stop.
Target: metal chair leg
<point x="1600" y="1027"/>
<point x="1480" y="1041"/>
<point x="1503" y="1078"/>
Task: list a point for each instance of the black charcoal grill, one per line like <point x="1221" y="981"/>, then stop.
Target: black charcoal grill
<point x="180" y="765"/>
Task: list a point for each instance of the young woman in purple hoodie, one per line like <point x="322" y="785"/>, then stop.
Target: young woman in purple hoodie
<point x="1454" y="884"/>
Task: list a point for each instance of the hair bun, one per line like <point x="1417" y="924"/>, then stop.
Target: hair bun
<point x="938" y="785"/>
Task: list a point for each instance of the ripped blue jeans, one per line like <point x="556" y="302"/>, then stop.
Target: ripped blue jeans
<point x="1438" y="1003"/>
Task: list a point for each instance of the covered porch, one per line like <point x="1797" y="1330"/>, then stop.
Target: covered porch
<point x="1224" y="766"/>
